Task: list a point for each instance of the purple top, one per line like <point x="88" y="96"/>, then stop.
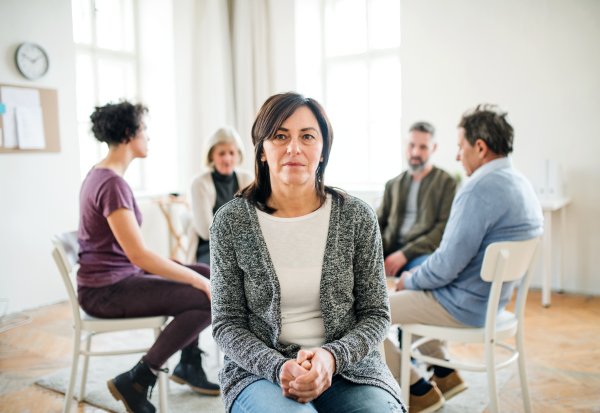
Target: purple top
<point x="101" y="258"/>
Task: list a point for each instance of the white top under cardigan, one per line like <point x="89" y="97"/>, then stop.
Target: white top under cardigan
<point x="297" y="247"/>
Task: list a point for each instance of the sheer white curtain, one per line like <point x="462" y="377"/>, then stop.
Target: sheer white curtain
<point x="233" y="63"/>
<point x="252" y="65"/>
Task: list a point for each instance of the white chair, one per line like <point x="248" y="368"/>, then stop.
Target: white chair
<point x="503" y="261"/>
<point x="65" y="254"/>
<point x="187" y="224"/>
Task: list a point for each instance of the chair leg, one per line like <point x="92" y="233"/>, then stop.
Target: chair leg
<point x="522" y="370"/>
<point x="405" y="367"/>
<point x="162" y="382"/>
<point x="74" y="363"/>
<point x="490" y="362"/>
<point x="86" y="359"/>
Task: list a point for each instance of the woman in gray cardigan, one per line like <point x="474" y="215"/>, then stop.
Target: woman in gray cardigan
<point x="299" y="299"/>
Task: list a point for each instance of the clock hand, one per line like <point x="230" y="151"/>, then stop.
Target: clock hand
<point x="29" y="58"/>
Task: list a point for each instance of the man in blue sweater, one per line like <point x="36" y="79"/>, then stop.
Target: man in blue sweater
<point x="496" y="204"/>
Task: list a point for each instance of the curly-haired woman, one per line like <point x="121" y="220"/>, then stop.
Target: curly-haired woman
<point x="120" y="277"/>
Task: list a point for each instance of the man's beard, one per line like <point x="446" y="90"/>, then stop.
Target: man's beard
<point x="416" y="167"/>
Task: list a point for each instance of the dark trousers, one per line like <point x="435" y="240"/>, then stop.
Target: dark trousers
<point x="146" y="295"/>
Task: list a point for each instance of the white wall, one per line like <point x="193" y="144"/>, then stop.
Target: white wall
<point x="540" y="60"/>
<point x="38" y="192"/>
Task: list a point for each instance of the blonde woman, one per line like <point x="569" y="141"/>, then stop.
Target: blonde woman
<point x="212" y="189"/>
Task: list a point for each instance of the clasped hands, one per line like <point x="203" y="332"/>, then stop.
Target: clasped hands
<point x="305" y="378"/>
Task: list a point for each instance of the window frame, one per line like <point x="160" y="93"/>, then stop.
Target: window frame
<point x="368" y="57"/>
<point x="97" y="53"/>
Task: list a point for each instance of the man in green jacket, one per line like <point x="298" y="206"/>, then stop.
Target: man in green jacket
<point x="416" y="205"/>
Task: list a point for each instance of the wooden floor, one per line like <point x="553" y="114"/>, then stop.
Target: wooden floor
<point x="562" y="342"/>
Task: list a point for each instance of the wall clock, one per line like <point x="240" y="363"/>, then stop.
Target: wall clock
<point x="32" y="60"/>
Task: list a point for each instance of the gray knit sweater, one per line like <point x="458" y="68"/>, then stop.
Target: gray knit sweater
<point x="246" y="298"/>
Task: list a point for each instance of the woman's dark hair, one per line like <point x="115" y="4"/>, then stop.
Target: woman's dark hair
<point x="116" y="123"/>
<point x="488" y="123"/>
<point x="271" y="116"/>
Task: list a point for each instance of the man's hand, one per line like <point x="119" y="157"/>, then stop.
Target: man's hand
<point x="400" y="283"/>
<point x="309" y="386"/>
<point x="394" y="262"/>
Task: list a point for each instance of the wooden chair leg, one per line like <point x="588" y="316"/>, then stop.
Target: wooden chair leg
<point x="86" y="360"/>
<point x="405" y="367"/>
<point x="490" y="361"/>
<point x="522" y="370"/>
<point x="74" y="363"/>
<point x="162" y="382"/>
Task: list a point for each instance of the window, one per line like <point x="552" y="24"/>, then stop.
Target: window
<point x="107" y="71"/>
<point x="358" y="46"/>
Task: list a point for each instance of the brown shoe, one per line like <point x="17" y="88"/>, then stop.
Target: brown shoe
<point x="450" y="385"/>
<point x="429" y="402"/>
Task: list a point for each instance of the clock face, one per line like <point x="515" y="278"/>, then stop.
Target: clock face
<point x="32" y="60"/>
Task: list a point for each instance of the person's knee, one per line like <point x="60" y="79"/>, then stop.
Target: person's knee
<point x="200" y="268"/>
<point x="264" y="397"/>
<point x="191" y="298"/>
<point x="403" y="304"/>
<point x="345" y="396"/>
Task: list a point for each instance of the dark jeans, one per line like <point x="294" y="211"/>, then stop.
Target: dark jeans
<point x="146" y="295"/>
<point x="203" y="252"/>
<point x="412" y="264"/>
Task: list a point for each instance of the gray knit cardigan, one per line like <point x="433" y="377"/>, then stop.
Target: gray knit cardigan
<point x="246" y="312"/>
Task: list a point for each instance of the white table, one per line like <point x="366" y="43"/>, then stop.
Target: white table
<point x="549" y="206"/>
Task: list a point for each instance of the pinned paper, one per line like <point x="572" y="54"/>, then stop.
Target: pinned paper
<point x="30" y="127"/>
<point x="2" y="108"/>
<point x="13" y="97"/>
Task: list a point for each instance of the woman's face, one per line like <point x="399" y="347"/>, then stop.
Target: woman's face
<point x="225" y="157"/>
<point x="139" y="143"/>
<point x="294" y="153"/>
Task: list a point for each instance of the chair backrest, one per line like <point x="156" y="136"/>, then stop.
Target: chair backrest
<point x="519" y="253"/>
<point x="509" y="261"/>
<point x="187" y="223"/>
<point x="65" y="254"/>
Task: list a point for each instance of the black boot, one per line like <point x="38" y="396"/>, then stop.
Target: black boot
<point x="132" y="388"/>
<point x="189" y="371"/>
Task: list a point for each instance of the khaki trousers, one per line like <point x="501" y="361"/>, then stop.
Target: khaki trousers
<point x="417" y="307"/>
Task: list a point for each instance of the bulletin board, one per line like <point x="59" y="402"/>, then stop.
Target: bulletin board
<point x="49" y="104"/>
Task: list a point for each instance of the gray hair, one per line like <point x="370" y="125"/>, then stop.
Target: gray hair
<point x="423" y="127"/>
<point x="223" y="136"/>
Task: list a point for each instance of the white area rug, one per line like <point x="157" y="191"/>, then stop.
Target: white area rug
<point x="476" y="398"/>
<point x="182" y="399"/>
<point x="101" y="369"/>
